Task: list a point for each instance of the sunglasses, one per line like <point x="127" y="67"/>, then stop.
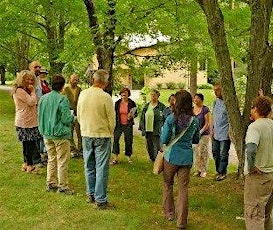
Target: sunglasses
<point x="37" y="67"/>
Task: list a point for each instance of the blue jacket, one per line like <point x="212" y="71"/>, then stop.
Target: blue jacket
<point x="181" y="152"/>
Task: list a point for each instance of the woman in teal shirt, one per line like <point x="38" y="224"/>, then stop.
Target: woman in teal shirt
<point x="179" y="158"/>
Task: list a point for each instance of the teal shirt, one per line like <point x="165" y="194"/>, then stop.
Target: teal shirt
<point x="181" y="153"/>
<point x="55" y="118"/>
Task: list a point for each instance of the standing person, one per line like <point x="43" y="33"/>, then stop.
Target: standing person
<point x="178" y="160"/>
<point x="35" y="67"/>
<point x="96" y="116"/>
<point x="26" y="117"/>
<point x="126" y="111"/>
<point x="258" y="190"/>
<point x="44" y="83"/>
<point x="45" y="89"/>
<point x="150" y="123"/>
<point x="220" y="134"/>
<point x="55" y="122"/>
<point x="168" y="110"/>
<point x="72" y="91"/>
<point x="201" y="153"/>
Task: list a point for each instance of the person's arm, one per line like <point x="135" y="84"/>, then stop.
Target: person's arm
<point x="66" y="117"/>
<point x="251" y="149"/>
<point x="110" y="111"/>
<point x="207" y="122"/>
<point x="30" y="100"/>
<point x="167" y="131"/>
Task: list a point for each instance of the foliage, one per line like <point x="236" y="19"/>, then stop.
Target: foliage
<point x="159" y="85"/>
<point x="205" y="86"/>
<point x="25" y="203"/>
<point x="181" y="85"/>
<point x="171" y="85"/>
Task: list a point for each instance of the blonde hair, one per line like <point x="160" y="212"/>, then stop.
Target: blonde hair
<point x="20" y="81"/>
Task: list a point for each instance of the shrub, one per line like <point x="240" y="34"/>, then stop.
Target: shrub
<point x="181" y="85"/>
<point x="171" y="85"/>
<point x="205" y="86"/>
<point x="159" y="85"/>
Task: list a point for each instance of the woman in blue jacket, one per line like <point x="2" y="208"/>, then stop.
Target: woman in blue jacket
<point x="179" y="158"/>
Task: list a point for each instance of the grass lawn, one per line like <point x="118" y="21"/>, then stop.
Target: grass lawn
<point x="134" y="190"/>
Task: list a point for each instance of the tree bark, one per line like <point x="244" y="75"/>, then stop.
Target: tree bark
<point x="3" y="74"/>
<point x="217" y="33"/>
<point x="259" y="58"/>
<point x="103" y="37"/>
<point x="193" y="76"/>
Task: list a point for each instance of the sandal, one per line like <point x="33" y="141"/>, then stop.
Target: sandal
<point x="32" y="169"/>
<point x="114" y="162"/>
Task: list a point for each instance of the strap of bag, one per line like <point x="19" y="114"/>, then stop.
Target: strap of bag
<point x="167" y="147"/>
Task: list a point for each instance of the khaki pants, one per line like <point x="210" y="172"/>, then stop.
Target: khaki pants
<point x="76" y="127"/>
<point x="258" y="201"/>
<point x="201" y="154"/>
<point x="183" y="178"/>
<point x="58" y="159"/>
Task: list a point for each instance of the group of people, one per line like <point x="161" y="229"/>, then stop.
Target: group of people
<point x="53" y="113"/>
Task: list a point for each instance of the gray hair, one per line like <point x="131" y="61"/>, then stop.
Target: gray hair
<point x="101" y="76"/>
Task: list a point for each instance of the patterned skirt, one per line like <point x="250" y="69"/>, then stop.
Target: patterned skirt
<point x="28" y="134"/>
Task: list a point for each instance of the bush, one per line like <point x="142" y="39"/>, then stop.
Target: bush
<point x="205" y="86"/>
<point x="181" y="85"/>
<point x="159" y="85"/>
<point x="171" y="85"/>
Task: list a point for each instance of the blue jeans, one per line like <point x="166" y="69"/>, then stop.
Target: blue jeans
<point x="220" y="151"/>
<point x="96" y="155"/>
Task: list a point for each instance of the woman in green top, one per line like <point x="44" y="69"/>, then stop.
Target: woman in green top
<point x="150" y="124"/>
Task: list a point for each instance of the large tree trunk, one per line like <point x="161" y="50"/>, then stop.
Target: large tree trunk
<point x="258" y="59"/>
<point x="193" y="76"/>
<point x="217" y="33"/>
<point x="55" y="32"/>
<point x="3" y="74"/>
<point x="22" y="51"/>
<point x="104" y="41"/>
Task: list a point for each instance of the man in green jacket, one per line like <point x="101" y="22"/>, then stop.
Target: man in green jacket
<point x="55" y="121"/>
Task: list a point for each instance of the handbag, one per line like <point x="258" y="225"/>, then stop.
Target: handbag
<point x="159" y="160"/>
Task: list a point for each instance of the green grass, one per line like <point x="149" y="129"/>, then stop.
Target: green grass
<point x="134" y="190"/>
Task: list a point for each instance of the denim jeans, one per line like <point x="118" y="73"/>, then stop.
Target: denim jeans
<point x="127" y="130"/>
<point x="220" y="151"/>
<point x="96" y="155"/>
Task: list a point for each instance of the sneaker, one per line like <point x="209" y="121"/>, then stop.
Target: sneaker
<point x="66" y="191"/>
<point x="51" y="188"/>
<point x="221" y="177"/>
<point x="90" y="198"/>
<point x="196" y="174"/>
<point x="203" y="174"/>
<point x="181" y="226"/>
<point x="104" y="206"/>
<point x="39" y="165"/>
<point x="74" y="154"/>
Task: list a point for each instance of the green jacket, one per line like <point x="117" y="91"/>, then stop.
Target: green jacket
<point x="158" y="118"/>
<point x="55" y="118"/>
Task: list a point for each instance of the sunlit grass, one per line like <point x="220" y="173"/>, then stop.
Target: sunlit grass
<point x="134" y="190"/>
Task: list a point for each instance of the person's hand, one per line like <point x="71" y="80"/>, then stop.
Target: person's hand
<point x="31" y="88"/>
<point x="129" y="116"/>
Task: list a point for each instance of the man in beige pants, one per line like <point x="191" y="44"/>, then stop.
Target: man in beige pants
<point x="258" y="191"/>
<point x="55" y="121"/>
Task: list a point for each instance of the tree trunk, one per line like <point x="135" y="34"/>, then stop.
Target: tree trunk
<point x="104" y="41"/>
<point x="259" y="52"/>
<point x="193" y="76"/>
<point x="217" y="33"/>
<point x="3" y="74"/>
<point x="22" y="51"/>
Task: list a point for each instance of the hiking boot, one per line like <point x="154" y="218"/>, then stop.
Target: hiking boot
<point x="90" y="198"/>
<point x="66" y="191"/>
<point x="104" y="206"/>
<point x="51" y="188"/>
